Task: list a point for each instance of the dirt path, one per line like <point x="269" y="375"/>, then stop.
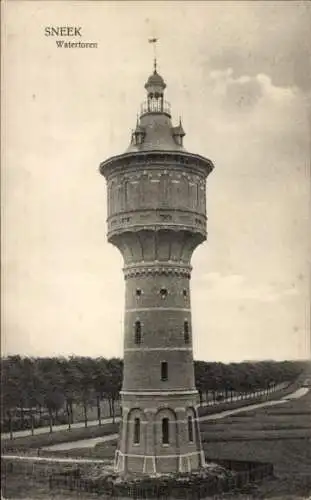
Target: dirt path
<point x="299" y="393"/>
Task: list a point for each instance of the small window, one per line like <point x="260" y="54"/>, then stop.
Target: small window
<point x="165" y="431"/>
<point x="138" y="292"/>
<point x="184" y="292"/>
<point x="137" y="332"/>
<point x="163" y="293"/>
<point x="186" y="332"/>
<point x="136" y="431"/>
<point x="164" y="370"/>
<point x="190" y="429"/>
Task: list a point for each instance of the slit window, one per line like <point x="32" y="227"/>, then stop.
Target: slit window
<point x="137" y="332"/>
<point x="190" y="429"/>
<point x="186" y="332"/>
<point x="136" y="431"/>
<point x="184" y="292"/>
<point x="165" y="431"/>
<point x="164" y="370"/>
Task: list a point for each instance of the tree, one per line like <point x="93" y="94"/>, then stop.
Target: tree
<point x="113" y="383"/>
<point x="51" y="389"/>
<point x="200" y="378"/>
<point x="84" y="367"/>
<point x="10" y="390"/>
<point x="100" y="376"/>
<point x="70" y="385"/>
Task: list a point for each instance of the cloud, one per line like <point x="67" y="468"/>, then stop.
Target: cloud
<point x="248" y="113"/>
<point x="275" y="40"/>
<point x="249" y="90"/>
<point x="242" y="92"/>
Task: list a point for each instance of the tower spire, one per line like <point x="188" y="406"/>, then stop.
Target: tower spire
<point x="154" y="43"/>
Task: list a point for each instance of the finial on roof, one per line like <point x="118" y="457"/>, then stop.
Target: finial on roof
<point x="154" y="43"/>
<point x="155" y="79"/>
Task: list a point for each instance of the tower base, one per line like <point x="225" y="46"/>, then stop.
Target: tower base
<point x="178" y="450"/>
<point x="152" y="464"/>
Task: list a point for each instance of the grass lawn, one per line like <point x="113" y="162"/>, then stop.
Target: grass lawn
<point x="40" y="440"/>
<point x="281" y="435"/>
<point x="100" y="451"/>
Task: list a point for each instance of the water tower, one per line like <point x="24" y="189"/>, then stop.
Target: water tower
<point x="156" y="218"/>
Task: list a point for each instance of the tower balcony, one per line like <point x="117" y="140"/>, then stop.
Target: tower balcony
<point x="155" y="106"/>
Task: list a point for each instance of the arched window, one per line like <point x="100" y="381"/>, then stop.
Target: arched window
<point x="165" y="431"/>
<point x="190" y="429"/>
<point x="164" y="370"/>
<point x="186" y="332"/>
<point x="138" y="292"/>
<point x="136" y="431"/>
<point x="137" y="332"/>
<point x="184" y="292"/>
<point x="163" y="293"/>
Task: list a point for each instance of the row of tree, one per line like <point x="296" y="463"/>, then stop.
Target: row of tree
<point x="41" y="391"/>
<point x="243" y="378"/>
<point x="37" y="391"/>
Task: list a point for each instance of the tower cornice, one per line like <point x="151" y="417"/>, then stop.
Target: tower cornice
<point x="157" y="269"/>
<point x="141" y="159"/>
<point x="198" y="232"/>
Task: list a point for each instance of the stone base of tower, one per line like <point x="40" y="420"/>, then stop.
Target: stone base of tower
<point x="150" y="465"/>
<point x="159" y="434"/>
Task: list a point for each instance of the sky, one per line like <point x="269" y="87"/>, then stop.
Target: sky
<point x="239" y="75"/>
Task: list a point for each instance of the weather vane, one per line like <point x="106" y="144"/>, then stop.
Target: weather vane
<point x="154" y="43"/>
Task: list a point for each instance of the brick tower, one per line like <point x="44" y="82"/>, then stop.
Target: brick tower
<point x="156" y="218"/>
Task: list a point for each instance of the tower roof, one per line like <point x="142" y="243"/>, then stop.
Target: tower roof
<point x="154" y="130"/>
<point x="155" y="80"/>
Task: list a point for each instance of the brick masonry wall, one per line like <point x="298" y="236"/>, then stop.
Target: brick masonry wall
<point x="162" y="327"/>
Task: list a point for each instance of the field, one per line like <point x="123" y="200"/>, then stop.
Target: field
<point x="279" y="434"/>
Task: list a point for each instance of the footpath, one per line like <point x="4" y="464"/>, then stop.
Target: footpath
<point x="56" y="428"/>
